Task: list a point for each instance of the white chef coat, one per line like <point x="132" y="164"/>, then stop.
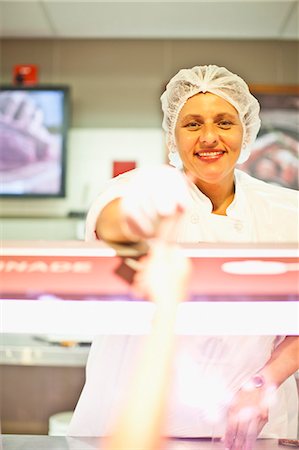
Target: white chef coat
<point x="260" y="212"/>
<point x="207" y="369"/>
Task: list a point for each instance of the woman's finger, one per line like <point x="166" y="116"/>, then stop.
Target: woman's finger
<point x="230" y="433"/>
<point x="241" y="431"/>
<point x="252" y="433"/>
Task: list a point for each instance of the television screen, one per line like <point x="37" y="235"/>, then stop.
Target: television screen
<point x="33" y="132"/>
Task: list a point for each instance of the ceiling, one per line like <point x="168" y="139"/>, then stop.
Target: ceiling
<point x="236" y="19"/>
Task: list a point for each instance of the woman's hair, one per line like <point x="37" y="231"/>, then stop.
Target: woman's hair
<point x="219" y="81"/>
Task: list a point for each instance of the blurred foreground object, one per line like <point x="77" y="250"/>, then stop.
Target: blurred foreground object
<point x="162" y="278"/>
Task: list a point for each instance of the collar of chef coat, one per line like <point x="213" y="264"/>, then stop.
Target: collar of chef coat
<point x="236" y="210"/>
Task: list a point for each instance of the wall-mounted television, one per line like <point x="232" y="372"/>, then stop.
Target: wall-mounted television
<point x="34" y="122"/>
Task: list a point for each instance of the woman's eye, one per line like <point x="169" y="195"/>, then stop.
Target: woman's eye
<point x="193" y="125"/>
<point x="225" y="123"/>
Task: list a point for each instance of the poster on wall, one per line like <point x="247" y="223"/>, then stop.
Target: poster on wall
<point x="275" y="153"/>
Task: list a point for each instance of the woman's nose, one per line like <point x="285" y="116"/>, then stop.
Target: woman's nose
<point x="208" y="136"/>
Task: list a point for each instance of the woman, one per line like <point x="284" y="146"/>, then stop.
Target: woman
<point x="210" y="120"/>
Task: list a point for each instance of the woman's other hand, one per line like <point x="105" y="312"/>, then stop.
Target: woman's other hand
<point x="154" y="194"/>
<point x="247" y="415"/>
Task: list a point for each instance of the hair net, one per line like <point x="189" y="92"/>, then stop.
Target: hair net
<point x="219" y="81"/>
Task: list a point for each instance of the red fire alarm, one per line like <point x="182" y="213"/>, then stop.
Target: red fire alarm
<point x="25" y="74"/>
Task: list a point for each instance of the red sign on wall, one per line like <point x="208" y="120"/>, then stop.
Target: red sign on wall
<point x="122" y="167"/>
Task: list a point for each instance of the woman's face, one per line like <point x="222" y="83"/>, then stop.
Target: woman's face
<point x="209" y="138"/>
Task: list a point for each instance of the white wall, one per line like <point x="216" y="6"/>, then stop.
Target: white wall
<point x="91" y="153"/>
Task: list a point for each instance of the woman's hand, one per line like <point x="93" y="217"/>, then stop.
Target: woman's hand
<point x="153" y="194"/>
<point x="247" y="415"/>
<point x="248" y="412"/>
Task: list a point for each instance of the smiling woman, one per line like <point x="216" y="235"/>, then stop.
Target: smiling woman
<point x="211" y="120"/>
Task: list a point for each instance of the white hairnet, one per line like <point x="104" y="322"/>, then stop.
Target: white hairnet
<point x="219" y="81"/>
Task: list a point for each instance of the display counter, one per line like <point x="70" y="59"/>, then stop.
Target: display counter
<point x="76" y="289"/>
<point x="21" y="442"/>
<point x="84" y="288"/>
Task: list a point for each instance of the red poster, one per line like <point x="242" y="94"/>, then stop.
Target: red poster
<point x="122" y="167"/>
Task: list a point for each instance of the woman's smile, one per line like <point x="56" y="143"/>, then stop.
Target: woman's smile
<point x="210" y="156"/>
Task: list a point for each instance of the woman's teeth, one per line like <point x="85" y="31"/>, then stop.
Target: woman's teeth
<point x="210" y="154"/>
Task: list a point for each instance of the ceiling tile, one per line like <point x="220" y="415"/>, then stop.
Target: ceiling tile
<point x="213" y="19"/>
<point x="291" y="27"/>
<point x="24" y="19"/>
<point x="235" y="19"/>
